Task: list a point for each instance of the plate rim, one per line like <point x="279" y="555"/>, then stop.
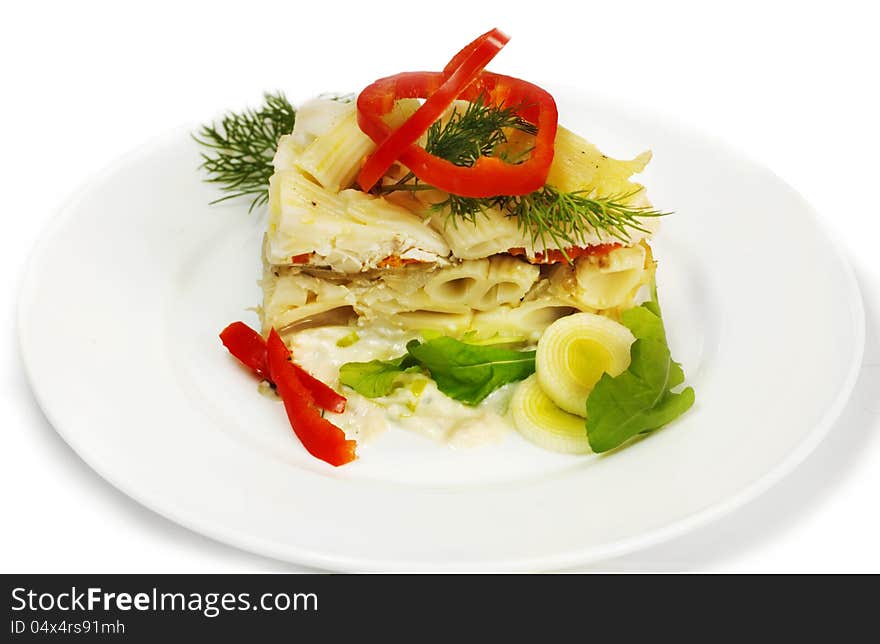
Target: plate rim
<point x="567" y="559"/>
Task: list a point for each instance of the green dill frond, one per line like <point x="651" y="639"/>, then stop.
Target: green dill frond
<point x="552" y="218"/>
<point x="566" y="219"/>
<point x="476" y="132"/>
<point x="242" y="146"/>
<point x="458" y="208"/>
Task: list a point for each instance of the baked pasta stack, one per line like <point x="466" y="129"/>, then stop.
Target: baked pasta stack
<point x="336" y="255"/>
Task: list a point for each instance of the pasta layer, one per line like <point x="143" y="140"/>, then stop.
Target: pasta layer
<point x="317" y="219"/>
<point x="500" y="295"/>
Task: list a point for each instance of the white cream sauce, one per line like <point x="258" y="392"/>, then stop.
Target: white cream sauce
<point x="416" y="406"/>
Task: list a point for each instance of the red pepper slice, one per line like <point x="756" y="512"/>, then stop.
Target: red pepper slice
<point x="468" y="49"/>
<point x="249" y="348"/>
<point x="489" y="176"/>
<point x="321" y="438"/>
<point x="459" y="73"/>
<point x="324" y="396"/>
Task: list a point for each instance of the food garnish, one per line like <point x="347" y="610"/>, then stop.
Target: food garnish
<point x="640" y="399"/>
<point x="379" y="98"/>
<point x="376" y="378"/>
<point x="619" y="375"/>
<point x="465" y="372"/>
<point x="250" y="349"/>
<point x="540" y="421"/>
<point x="573" y="354"/>
<point x="319" y="436"/>
<point x="241" y="148"/>
<point x="248" y="346"/>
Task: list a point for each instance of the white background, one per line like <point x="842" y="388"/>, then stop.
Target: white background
<point x="793" y="84"/>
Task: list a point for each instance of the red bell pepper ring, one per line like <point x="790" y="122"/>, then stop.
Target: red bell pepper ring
<point x="461" y="71"/>
<point x="249" y="348"/>
<point x="472" y="46"/>
<point x="321" y="438"/>
<point x="489" y="176"/>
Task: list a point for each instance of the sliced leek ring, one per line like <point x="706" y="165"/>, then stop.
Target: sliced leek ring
<point x="574" y="352"/>
<point x="540" y="421"/>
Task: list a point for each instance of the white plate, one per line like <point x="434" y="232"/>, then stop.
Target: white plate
<point x="127" y="290"/>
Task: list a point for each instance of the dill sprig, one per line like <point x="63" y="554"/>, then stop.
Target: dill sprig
<point x="565" y="218"/>
<point x="476" y="132"/>
<point x="242" y="147"/>
<point x="553" y="217"/>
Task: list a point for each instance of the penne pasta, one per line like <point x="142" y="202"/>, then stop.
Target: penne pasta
<point x="490" y="233"/>
<point x="526" y="321"/>
<point x="348" y="231"/>
<point x="334" y="158"/>
<point x="607" y="282"/>
<point x="580" y="165"/>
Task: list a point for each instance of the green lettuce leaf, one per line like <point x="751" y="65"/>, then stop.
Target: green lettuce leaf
<point x="376" y="377"/>
<point x="470" y="372"/>
<point x="640" y="399"/>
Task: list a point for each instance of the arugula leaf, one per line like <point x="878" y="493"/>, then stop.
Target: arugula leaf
<point x="470" y="372"/>
<point x="376" y="377"/>
<point x="640" y="399"/>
